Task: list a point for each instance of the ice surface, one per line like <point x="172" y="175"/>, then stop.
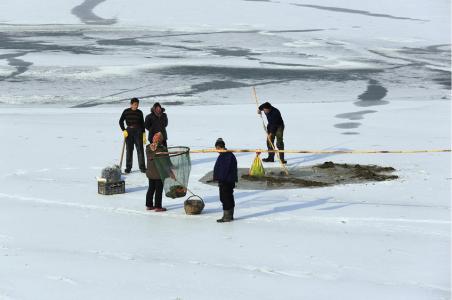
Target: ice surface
<point x="62" y="240"/>
<point x="346" y="75"/>
<point x="162" y="51"/>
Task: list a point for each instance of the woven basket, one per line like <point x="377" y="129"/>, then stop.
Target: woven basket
<point x="193" y="205"/>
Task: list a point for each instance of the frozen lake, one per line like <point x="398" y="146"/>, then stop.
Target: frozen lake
<point x="378" y="240"/>
<point x="92" y="52"/>
<point x="371" y="75"/>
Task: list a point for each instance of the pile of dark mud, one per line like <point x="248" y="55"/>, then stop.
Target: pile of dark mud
<point x="326" y="174"/>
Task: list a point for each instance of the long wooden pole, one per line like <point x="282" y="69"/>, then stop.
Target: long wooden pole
<point x="268" y="135"/>
<point x="213" y="150"/>
<point x="122" y="154"/>
<point x="324" y="151"/>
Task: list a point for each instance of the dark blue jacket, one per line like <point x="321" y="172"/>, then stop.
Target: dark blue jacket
<point x="274" y="119"/>
<point x="225" y="169"/>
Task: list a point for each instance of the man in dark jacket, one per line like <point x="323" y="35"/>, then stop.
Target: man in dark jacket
<point x="225" y="172"/>
<point x="275" y="128"/>
<point x="134" y="134"/>
<point x="157" y="121"/>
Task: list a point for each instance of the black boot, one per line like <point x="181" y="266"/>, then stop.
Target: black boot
<point x="270" y="158"/>
<point x="228" y="216"/>
<point x="281" y="157"/>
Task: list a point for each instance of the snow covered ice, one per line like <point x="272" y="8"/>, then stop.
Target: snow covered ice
<point x="345" y="75"/>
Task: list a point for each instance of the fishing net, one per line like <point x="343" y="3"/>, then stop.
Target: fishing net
<point x="111" y="174"/>
<point x="174" y="168"/>
<point x="257" y="168"/>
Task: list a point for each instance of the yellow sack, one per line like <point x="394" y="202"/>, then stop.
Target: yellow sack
<point x="257" y="168"/>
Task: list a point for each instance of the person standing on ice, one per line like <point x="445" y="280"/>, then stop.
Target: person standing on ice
<point x="225" y="172"/>
<point x="134" y="134"/>
<point x="275" y="129"/>
<point x="155" y="189"/>
<point x="157" y="121"/>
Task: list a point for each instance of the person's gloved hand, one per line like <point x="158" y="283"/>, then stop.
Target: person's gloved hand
<point x="144" y="138"/>
<point x="125" y="133"/>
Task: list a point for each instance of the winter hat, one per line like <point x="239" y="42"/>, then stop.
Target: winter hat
<point x="157" y="104"/>
<point x="220" y="143"/>
<point x="266" y="105"/>
<point x="155" y="141"/>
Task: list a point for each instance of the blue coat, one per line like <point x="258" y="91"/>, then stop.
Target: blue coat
<point x="225" y="169"/>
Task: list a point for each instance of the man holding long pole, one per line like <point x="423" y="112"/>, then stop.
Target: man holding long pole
<point x="275" y="129"/>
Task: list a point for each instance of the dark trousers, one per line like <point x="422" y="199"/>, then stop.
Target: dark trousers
<point x="227" y="194"/>
<point x="135" y="138"/>
<point x="155" y="186"/>
<point x="279" y="135"/>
